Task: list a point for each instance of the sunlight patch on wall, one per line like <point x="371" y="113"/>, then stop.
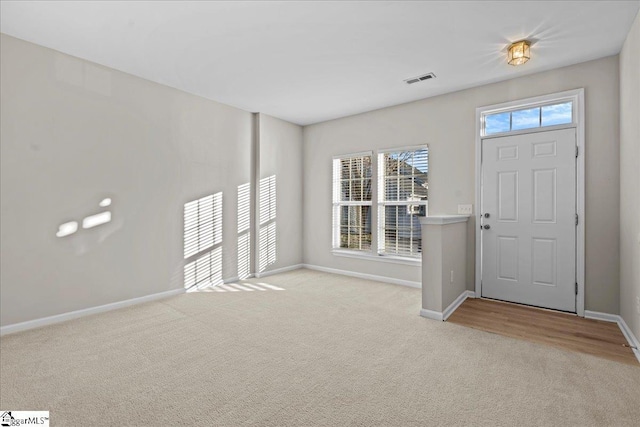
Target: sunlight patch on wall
<point x="267" y="249"/>
<point x="96" y="220"/>
<point x="267" y="245"/>
<point x="202" y="224"/>
<point x="244" y="231"/>
<point x="70" y="227"/>
<point x="203" y="231"/>
<point x="204" y="271"/>
<point x="67" y="229"/>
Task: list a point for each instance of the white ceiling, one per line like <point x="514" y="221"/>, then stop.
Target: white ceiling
<point x="307" y="62"/>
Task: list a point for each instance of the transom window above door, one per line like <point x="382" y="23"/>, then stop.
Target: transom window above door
<point x="530" y="117"/>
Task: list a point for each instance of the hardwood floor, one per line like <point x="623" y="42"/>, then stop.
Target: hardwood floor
<point x="566" y="331"/>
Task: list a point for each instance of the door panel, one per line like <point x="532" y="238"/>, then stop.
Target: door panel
<point x="529" y="192"/>
<point x="544" y="196"/>
<point x="508" y="258"/>
<point x="509" y="152"/>
<point x="544" y="262"/>
<point x="508" y="196"/>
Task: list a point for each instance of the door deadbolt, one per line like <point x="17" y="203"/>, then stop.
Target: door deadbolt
<point x="487" y="215"/>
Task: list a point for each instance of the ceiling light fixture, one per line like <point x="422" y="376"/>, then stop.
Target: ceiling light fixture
<point x="519" y="52"/>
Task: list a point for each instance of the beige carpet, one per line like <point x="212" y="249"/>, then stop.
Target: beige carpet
<point x="326" y="351"/>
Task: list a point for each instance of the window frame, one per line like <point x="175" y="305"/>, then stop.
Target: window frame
<point x="381" y="203"/>
<point x="515" y="107"/>
<point x="337" y="203"/>
<point x="373" y="253"/>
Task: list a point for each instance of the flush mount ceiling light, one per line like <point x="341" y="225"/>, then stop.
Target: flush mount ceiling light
<point x="519" y="52"/>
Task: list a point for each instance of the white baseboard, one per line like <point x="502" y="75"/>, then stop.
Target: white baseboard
<point x="456" y="303"/>
<point x="436" y="315"/>
<point x="624" y="328"/>
<point x="430" y="314"/>
<point x="606" y="317"/>
<point x="45" y="321"/>
<point x="632" y="339"/>
<point x="364" y="276"/>
<point x="277" y="271"/>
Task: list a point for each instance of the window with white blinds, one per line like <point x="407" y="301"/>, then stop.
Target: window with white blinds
<point x="352" y="178"/>
<point x="202" y="241"/>
<point x="402" y="198"/>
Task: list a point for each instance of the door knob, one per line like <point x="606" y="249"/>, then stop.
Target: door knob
<point x="486" y="226"/>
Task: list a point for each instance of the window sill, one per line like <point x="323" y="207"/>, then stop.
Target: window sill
<point x="383" y="258"/>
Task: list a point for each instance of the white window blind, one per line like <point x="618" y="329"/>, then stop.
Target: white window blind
<point x="352" y="202"/>
<point x="402" y="197"/>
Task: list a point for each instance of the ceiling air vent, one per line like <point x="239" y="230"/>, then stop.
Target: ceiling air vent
<point x="413" y="80"/>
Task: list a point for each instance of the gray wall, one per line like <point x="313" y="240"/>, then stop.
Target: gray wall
<point x="447" y="124"/>
<point x="73" y="133"/>
<point x="630" y="179"/>
<point x="281" y="157"/>
<point x="444" y="253"/>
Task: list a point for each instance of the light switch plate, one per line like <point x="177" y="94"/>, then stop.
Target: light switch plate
<point x="465" y="209"/>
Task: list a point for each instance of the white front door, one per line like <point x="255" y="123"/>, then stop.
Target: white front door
<point x="529" y="219"/>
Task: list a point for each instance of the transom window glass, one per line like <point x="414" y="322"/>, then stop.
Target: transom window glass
<point x="529" y="118"/>
<point x="352" y="202"/>
<point x="402" y="198"/>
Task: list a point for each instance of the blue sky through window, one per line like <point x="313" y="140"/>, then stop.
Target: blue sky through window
<point x="556" y="114"/>
<point x="548" y="115"/>
<point x="495" y="123"/>
<point x="525" y="119"/>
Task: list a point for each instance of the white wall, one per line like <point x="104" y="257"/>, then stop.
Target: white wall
<point x="73" y="133"/>
<point x="281" y="160"/>
<point x="447" y="124"/>
<point x="630" y="179"/>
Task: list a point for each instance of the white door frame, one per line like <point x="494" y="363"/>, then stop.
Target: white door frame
<point x="577" y="96"/>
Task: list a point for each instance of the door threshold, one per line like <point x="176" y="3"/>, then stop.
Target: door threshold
<point x="551" y="310"/>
